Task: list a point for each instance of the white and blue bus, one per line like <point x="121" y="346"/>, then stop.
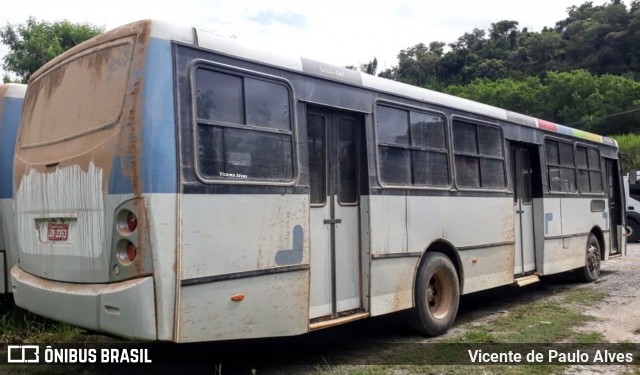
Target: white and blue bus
<point x="11" y="99"/>
<point x="175" y="185"/>
<point x="632" y="198"/>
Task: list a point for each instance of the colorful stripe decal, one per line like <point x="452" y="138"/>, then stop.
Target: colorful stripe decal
<point x="561" y="129"/>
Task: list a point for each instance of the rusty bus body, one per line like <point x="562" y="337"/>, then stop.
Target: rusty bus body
<point x="174" y="185"/>
<point x="11" y="99"/>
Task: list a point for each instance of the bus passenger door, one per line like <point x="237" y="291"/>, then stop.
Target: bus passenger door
<point x="333" y="149"/>
<point x="614" y="195"/>
<point x="524" y="260"/>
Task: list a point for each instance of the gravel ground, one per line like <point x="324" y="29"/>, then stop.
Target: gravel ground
<point x="618" y="318"/>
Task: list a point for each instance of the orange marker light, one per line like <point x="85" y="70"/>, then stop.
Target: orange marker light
<point x="131" y="252"/>
<point x="237" y="297"/>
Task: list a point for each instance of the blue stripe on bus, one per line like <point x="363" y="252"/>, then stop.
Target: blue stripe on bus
<point x="8" y="131"/>
<point x="158" y="165"/>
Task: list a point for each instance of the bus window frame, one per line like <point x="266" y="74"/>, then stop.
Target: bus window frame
<point x="229" y="69"/>
<point x="505" y="163"/>
<point x="377" y="144"/>
<point x="570" y="141"/>
<point x="600" y="162"/>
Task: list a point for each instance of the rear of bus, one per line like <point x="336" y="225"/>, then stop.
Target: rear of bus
<point x="11" y="99"/>
<point x="88" y="180"/>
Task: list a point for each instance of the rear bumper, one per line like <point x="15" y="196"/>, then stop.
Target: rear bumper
<point x="124" y="309"/>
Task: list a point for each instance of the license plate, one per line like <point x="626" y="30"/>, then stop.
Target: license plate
<point x="57" y="232"/>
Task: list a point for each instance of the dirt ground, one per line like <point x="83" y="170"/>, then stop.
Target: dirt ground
<point x="618" y="318"/>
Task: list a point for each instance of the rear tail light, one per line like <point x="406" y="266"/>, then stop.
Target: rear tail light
<point x="132" y="221"/>
<point x="126" y="252"/>
<point x="130" y="252"/>
<point x="126" y="221"/>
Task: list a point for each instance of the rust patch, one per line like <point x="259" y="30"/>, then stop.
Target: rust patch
<point x="131" y="136"/>
<point x="132" y="29"/>
<point x="3" y="90"/>
<point x="107" y="144"/>
<point x="105" y="72"/>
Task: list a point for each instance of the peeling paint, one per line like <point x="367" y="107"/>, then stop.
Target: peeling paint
<point x="67" y="195"/>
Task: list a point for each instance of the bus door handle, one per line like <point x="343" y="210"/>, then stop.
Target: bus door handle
<point x="519" y="212"/>
<point x="333" y="221"/>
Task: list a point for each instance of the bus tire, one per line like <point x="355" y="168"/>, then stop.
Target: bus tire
<point x="635" y="230"/>
<point x="437" y="295"/>
<point x="591" y="270"/>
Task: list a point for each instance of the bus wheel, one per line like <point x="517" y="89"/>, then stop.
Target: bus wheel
<point x="591" y="270"/>
<point x="437" y="293"/>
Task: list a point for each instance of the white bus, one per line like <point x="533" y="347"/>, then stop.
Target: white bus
<point x="11" y="99"/>
<point x="632" y="198"/>
<point x="175" y="185"/>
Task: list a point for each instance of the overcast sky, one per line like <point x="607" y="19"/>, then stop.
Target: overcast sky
<point x="340" y="32"/>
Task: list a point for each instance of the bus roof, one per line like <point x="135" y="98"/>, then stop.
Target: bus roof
<point x="161" y="30"/>
<point x="12" y="90"/>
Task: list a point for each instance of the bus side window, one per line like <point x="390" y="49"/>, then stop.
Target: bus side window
<point x="411" y="147"/>
<point x="478" y="156"/>
<point x="589" y="170"/>
<point x="560" y="166"/>
<point x="244" y="128"/>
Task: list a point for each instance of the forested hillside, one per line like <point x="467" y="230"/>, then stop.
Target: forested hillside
<point x="583" y="72"/>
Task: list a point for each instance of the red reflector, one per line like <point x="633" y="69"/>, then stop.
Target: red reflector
<point x="131" y="252"/>
<point x="237" y="297"/>
<point x="132" y="221"/>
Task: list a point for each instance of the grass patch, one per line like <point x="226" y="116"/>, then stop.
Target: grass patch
<point x="539" y="321"/>
<point x="584" y="296"/>
<point x="589" y="338"/>
<point x="18" y="325"/>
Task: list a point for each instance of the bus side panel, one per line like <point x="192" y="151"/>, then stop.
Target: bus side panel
<point x="392" y="284"/>
<point x="388" y="217"/>
<point x="255" y="246"/>
<point x="10" y="110"/>
<point x="160" y="178"/>
<point x="480" y="228"/>
<point x="391" y="279"/>
<point x="163" y="238"/>
<point x="273" y="305"/>
<point x="586" y="219"/>
<point x="487" y="267"/>
<point x="552" y="217"/>
<point x="408" y="225"/>
<point x="566" y="233"/>
<point x="460" y="220"/>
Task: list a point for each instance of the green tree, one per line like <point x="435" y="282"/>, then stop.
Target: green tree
<point x="371" y="67"/>
<point x="34" y="43"/>
<point x="417" y="65"/>
<point x="606" y="104"/>
<point x="629" y="145"/>
<point x="518" y="95"/>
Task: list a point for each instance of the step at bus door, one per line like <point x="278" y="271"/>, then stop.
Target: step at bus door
<point x="524" y="260"/>
<point x="333" y="150"/>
